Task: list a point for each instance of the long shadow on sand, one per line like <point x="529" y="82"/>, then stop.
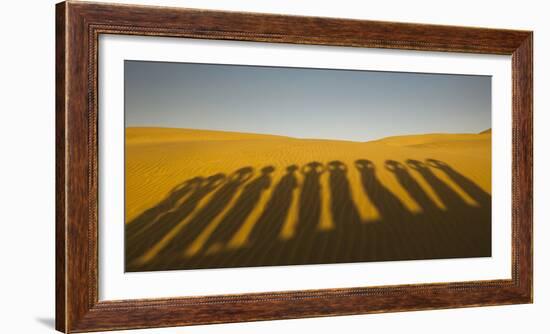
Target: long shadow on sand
<point x="204" y="214"/>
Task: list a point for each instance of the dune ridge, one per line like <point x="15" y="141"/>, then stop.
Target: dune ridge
<point x="148" y="135"/>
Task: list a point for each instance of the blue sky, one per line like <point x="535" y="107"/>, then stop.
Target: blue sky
<point x="304" y="103"/>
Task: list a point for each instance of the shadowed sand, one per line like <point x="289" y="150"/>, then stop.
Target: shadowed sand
<point x="210" y="199"/>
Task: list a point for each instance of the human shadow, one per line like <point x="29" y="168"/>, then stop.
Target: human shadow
<point x="388" y="205"/>
<point x="269" y="227"/>
<point x="428" y="238"/>
<point x="473" y="190"/>
<point x="407" y="181"/>
<point x="271" y="221"/>
<point x="309" y="213"/>
<point x="343" y="209"/>
<point x="444" y="191"/>
<point x="391" y="210"/>
<point x="479" y="223"/>
<point x="150" y="216"/>
<point x="309" y="209"/>
<point x="242" y="208"/>
<point x="167" y="215"/>
<point x="453" y="230"/>
<point x="472" y="231"/>
<point x="178" y="244"/>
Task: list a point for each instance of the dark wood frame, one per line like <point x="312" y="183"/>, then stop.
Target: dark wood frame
<point x="78" y="25"/>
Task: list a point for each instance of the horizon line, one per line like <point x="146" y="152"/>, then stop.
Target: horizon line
<point x="486" y="131"/>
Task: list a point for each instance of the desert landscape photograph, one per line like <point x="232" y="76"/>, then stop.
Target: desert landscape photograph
<point x="243" y="166"/>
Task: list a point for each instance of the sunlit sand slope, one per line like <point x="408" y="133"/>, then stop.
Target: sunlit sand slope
<point x="202" y="199"/>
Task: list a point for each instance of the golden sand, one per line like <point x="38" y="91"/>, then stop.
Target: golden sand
<point x="158" y="160"/>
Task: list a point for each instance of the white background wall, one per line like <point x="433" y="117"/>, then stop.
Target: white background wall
<point x="27" y="165"/>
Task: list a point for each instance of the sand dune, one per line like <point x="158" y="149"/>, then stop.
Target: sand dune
<point x="137" y="135"/>
<point x="192" y="195"/>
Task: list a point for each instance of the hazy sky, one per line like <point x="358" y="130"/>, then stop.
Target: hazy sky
<point x="304" y="103"/>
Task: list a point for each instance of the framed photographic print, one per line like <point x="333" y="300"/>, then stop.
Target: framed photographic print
<point x="222" y="166"/>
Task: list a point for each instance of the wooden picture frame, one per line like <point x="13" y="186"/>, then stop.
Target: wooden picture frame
<point x="78" y="26"/>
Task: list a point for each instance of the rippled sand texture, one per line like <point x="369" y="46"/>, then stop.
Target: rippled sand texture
<point x="211" y="199"/>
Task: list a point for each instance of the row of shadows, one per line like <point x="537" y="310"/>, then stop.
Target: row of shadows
<point x="194" y="225"/>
